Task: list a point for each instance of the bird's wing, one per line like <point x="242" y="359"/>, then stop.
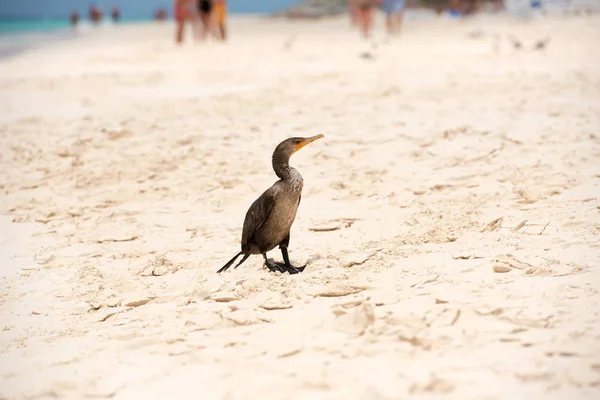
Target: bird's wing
<point x="257" y="214"/>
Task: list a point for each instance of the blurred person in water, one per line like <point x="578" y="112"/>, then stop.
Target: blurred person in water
<point x="95" y="14"/>
<point x="160" y="14"/>
<point x="74" y="18"/>
<point x="115" y="14"/>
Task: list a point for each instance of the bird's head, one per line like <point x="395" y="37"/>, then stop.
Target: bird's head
<point x="289" y="146"/>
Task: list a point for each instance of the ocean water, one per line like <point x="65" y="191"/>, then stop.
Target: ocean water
<point x="15" y="42"/>
<point x="52" y="15"/>
<point x="20" y="30"/>
<point x="19" y="35"/>
<point x="12" y="26"/>
<point x="20" y="26"/>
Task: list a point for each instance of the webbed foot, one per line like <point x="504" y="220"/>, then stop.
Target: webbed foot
<point x="294" y="270"/>
<point x="274" y="266"/>
<point x="283" y="267"/>
<point x="290" y="268"/>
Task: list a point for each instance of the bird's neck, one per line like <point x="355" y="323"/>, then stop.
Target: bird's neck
<point x="286" y="172"/>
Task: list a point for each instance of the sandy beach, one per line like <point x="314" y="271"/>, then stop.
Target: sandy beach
<point x="450" y="218"/>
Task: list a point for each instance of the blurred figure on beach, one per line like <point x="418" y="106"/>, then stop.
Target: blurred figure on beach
<point x="364" y="13"/>
<point x="455" y="8"/>
<point x="160" y="14"/>
<point x="205" y="9"/>
<point x="74" y="18"/>
<point x="219" y="18"/>
<point x="115" y="14"/>
<point x="353" y="12"/>
<point x="95" y="14"/>
<point x="394" y="11"/>
<point x="181" y="13"/>
<point x="439" y="6"/>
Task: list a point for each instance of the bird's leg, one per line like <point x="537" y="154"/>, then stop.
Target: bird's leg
<point x="272" y="265"/>
<point x="288" y="266"/>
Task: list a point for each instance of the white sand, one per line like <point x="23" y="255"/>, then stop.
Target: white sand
<point x="134" y="162"/>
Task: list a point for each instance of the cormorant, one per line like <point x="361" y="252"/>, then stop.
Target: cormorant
<point x="270" y="218"/>
<point x="541" y="44"/>
<point x="515" y="42"/>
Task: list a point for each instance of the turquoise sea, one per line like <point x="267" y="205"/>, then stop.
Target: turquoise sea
<point x="17" y="35"/>
<point x="20" y="30"/>
<point x="53" y="15"/>
<point x="16" y="26"/>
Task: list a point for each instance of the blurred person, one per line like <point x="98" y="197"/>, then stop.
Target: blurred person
<point x="74" y="18"/>
<point x="498" y="5"/>
<point x="352" y="11"/>
<point x="160" y="14"/>
<point x="455" y="8"/>
<point x="181" y="13"/>
<point x="92" y="13"/>
<point x="95" y="14"/>
<point x="364" y="10"/>
<point x="439" y="6"/>
<point x="220" y="16"/>
<point x="469" y="7"/>
<point x="115" y="14"/>
<point x="205" y="9"/>
<point x="394" y="12"/>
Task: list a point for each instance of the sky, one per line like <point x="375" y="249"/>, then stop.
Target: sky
<point x="129" y="8"/>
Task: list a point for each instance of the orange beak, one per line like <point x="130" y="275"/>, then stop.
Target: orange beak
<point x="306" y="141"/>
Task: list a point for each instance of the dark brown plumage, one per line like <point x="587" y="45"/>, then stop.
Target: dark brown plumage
<point x="270" y="218"/>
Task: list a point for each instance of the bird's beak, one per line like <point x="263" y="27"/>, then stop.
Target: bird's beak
<point x="306" y="141"/>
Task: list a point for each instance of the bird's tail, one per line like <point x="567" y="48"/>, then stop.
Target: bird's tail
<point x="242" y="260"/>
<point x="230" y="262"/>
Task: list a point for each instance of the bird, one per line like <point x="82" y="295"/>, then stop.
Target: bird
<point x="369" y="55"/>
<point x="270" y="217"/>
<point x="515" y="42"/>
<point x="541" y="44"/>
